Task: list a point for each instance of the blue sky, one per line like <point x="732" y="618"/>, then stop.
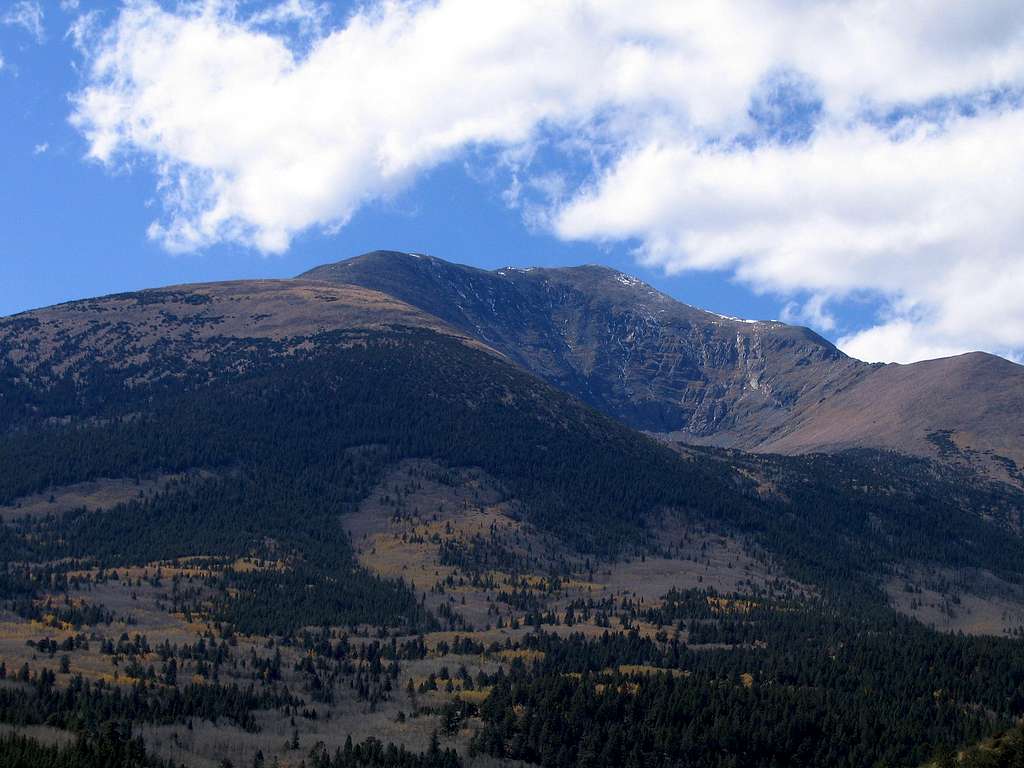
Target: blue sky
<point x="758" y="160"/>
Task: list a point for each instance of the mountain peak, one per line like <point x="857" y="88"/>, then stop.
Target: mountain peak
<point x="615" y="341"/>
<point x="595" y="332"/>
<point x="701" y="377"/>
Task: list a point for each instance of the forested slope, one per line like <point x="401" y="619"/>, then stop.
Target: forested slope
<point x="295" y="439"/>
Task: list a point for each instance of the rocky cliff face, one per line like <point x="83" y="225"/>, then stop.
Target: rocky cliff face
<point x="622" y="346"/>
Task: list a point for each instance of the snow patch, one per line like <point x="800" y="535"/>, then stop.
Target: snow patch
<point x="628" y="280"/>
<point x="734" y="319"/>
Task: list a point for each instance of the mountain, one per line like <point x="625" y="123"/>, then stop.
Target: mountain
<point x="267" y="522"/>
<point x="138" y="329"/>
<point x="199" y="377"/>
<point x="618" y="344"/>
<point x="196" y="378"/>
<point x="697" y="377"/>
<point x="58" y="360"/>
<point x="954" y="406"/>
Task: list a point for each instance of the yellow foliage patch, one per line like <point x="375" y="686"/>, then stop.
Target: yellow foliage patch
<point x="521" y="653"/>
<point x="723" y="604"/>
<point x="646" y="669"/>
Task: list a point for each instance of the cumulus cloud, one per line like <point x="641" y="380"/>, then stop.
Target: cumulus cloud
<point x="927" y="216"/>
<point x="813" y="149"/>
<point x="811" y="312"/>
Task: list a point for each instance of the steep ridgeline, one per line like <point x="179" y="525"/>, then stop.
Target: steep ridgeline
<point x="620" y="345"/>
<point x="698" y="377"/>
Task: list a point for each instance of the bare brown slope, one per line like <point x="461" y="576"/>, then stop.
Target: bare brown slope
<point x="189" y="322"/>
<point x="969" y="408"/>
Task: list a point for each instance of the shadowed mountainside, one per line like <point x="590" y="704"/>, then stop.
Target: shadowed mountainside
<point x="620" y="345"/>
<point x="698" y="377"/>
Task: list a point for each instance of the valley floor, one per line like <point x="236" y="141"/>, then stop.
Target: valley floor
<point x="507" y="597"/>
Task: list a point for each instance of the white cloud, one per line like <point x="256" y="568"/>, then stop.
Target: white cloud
<point x="69" y="5"/>
<point x="307" y="15"/>
<point x="812" y="312"/>
<point x="83" y="32"/>
<point x="28" y="15"/>
<point x="900" y="341"/>
<point x="930" y="218"/>
<point x="40" y="149"/>
<point x="732" y="135"/>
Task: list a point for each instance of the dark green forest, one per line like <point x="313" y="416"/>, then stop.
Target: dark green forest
<point x="825" y="687"/>
<point x="111" y="749"/>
